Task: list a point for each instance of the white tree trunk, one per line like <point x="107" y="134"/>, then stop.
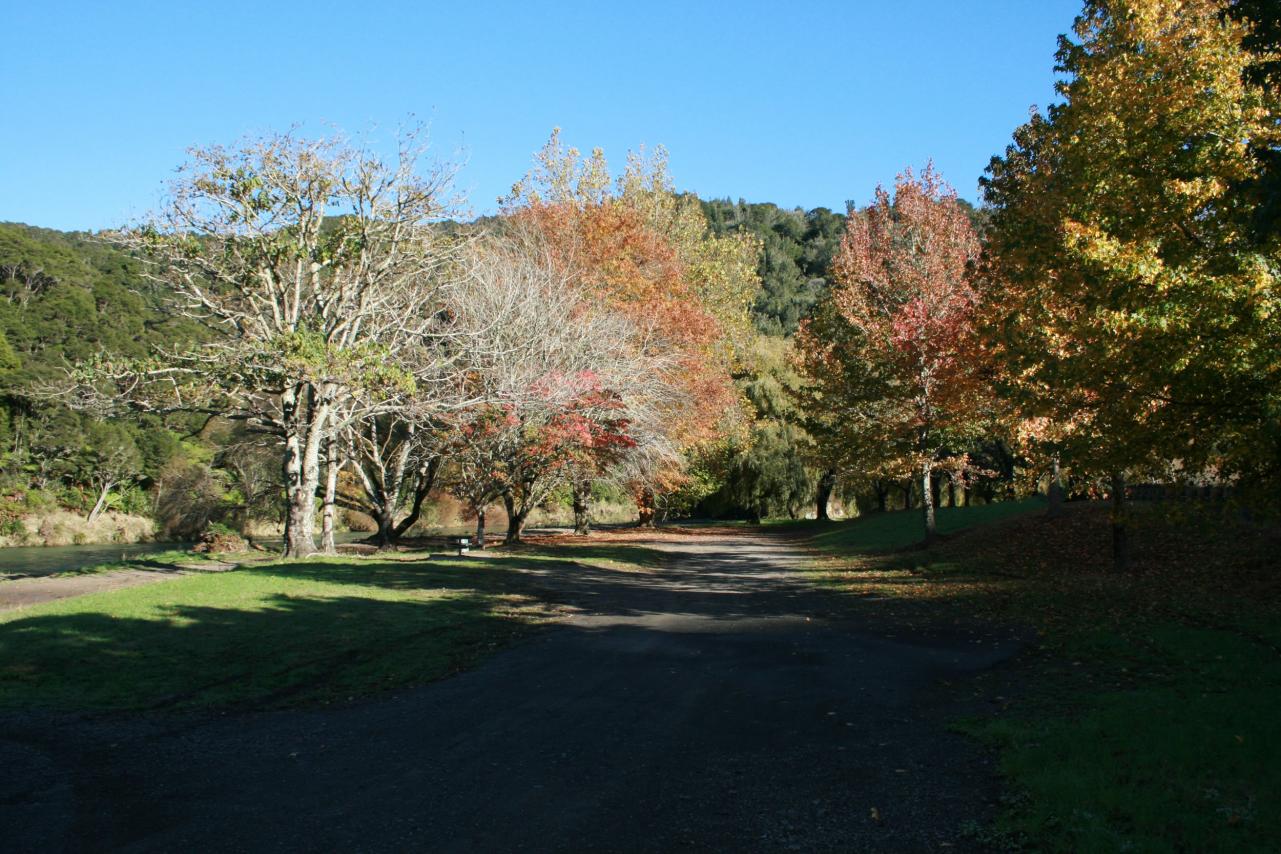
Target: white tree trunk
<point x="306" y="423"/>
<point x="102" y="501"/>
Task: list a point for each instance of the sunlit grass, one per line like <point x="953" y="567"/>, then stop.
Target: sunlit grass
<point x="290" y="631"/>
<point x="171" y="558"/>
<point x="898" y="529"/>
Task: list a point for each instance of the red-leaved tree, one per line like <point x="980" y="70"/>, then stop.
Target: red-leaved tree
<point x="896" y="351"/>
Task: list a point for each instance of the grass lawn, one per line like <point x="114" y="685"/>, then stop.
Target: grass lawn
<point x="877" y="532"/>
<point x="1147" y="720"/>
<point x="276" y="633"/>
<point x="168" y="558"/>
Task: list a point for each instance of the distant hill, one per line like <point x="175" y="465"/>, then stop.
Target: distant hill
<point x="798" y="249"/>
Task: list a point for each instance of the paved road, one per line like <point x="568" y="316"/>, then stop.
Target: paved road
<point x="717" y="704"/>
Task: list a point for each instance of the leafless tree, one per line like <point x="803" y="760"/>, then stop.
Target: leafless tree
<point x="551" y="352"/>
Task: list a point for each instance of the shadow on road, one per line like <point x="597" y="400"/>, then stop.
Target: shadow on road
<point x="711" y="700"/>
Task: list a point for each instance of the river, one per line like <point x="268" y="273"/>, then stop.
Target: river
<point x="46" y="560"/>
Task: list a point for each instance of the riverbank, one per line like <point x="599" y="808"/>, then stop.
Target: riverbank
<point x="65" y="528"/>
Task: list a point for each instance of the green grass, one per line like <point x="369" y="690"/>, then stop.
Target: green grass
<point x="287" y="632"/>
<point x="1146" y="720"/>
<point x="1173" y="747"/>
<point x="878" y="532"/>
<point x="152" y="560"/>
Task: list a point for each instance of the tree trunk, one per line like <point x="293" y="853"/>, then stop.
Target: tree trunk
<point x="645" y="509"/>
<point x="301" y="469"/>
<point x="907" y="496"/>
<point x="936" y="492"/>
<point x="515" y="519"/>
<point x="882" y="496"/>
<point x="1120" y="535"/>
<point x="327" y="542"/>
<point x="1056" y="490"/>
<point x="927" y="503"/>
<point x="426" y="482"/>
<point x="386" y="520"/>
<point x="101" y="504"/>
<point x="582" y="507"/>
<point x="480" y="529"/>
<point x="300" y="494"/>
<point x="826" y="484"/>
<point x="951" y="492"/>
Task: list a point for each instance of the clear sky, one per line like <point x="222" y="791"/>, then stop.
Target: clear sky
<point x="802" y="104"/>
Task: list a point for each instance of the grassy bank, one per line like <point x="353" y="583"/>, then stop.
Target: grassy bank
<point x="877" y="532"/>
<point x="278" y="633"/>
<point x="1146" y="716"/>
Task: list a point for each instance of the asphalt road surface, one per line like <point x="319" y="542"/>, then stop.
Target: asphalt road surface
<point x="720" y="703"/>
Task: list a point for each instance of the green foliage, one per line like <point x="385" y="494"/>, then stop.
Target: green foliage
<point x="797" y="249"/>
<point x="766" y="473"/>
<point x="768" y="476"/>
<point x="71" y="298"/>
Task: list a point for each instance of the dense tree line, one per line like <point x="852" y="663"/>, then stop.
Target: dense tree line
<point x="305" y="325"/>
<point x="796" y="254"/>
<point x="1118" y="321"/>
<point x="335" y="319"/>
<point x="67" y="300"/>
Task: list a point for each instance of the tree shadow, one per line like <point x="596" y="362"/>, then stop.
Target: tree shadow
<point x="617" y="553"/>
<point x="284" y="648"/>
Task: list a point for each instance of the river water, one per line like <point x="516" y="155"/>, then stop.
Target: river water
<point x="46" y="560"/>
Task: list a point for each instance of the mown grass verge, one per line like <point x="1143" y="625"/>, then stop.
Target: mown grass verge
<point x="1147" y="716"/>
<point x="877" y="532"/>
<point x="278" y="633"/>
<point x="170" y="559"/>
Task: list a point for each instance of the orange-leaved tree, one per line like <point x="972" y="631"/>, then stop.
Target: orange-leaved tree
<point x="645" y="252"/>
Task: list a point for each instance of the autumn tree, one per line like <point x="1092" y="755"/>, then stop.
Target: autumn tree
<point x="647" y="253"/>
<point x="890" y="352"/>
<point x="1130" y="295"/>
<point x="555" y="382"/>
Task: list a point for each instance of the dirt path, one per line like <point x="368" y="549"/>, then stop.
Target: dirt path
<point x="719" y="703"/>
<point x="20" y="592"/>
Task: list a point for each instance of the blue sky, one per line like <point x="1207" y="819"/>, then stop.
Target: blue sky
<point x="803" y="104"/>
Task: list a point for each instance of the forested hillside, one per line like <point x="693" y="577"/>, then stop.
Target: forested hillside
<point x="68" y="300"/>
<point x="796" y="252"/>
